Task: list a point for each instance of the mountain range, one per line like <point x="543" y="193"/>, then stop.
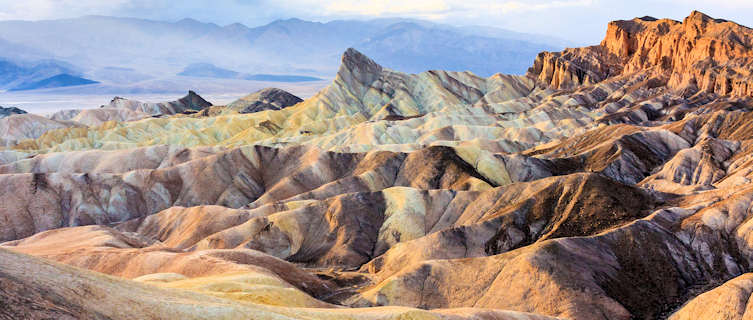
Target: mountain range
<point x="128" y="51"/>
<point x="207" y="70"/>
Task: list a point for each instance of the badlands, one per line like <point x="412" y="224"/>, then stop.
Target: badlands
<point x="609" y="182"/>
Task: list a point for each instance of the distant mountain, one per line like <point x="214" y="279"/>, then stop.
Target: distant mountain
<point x="18" y="75"/>
<point x="280" y="78"/>
<point x="154" y="49"/>
<point x="57" y="81"/>
<point x="207" y="70"/>
<point x="415" y="48"/>
<point x="499" y="33"/>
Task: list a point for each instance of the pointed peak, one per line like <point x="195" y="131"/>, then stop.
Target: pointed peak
<point x="353" y="54"/>
<point x="265" y="99"/>
<point x="4" y="112"/>
<point x="695" y="14"/>
<point x="275" y="94"/>
<point x="696" y="17"/>
<point x="354" y="58"/>
<point x="700" y="17"/>
<point x="362" y="68"/>
<point x="195" y="101"/>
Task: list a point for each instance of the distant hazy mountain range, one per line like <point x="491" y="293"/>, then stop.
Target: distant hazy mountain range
<point x="126" y="51"/>
<point x="56" y="81"/>
<point x="18" y="76"/>
<point x="208" y="70"/>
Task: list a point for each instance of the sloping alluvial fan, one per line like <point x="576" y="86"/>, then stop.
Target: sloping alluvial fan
<point x="610" y="182"/>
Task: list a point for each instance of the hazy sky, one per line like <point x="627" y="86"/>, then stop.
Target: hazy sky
<point x="582" y="21"/>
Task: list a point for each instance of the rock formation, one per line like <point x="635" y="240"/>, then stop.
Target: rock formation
<point x="699" y="54"/>
<point x="4" y="112"/>
<point x="265" y="99"/>
<point x="191" y="101"/>
<point x="611" y="182"/>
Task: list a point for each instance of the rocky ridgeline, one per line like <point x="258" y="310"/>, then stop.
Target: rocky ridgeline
<point x="265" y="99"/>
<point x="191" y="101"/>
<point x="699" y="54"/>
<point x="5" y="112"/>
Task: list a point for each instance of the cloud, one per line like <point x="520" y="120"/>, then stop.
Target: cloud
<point x="379" y="8"/>
<point x="517" y="6"/>
<point x="716" y="3"/>
<point x="444" y="8"/>
<point x="513" y="6"/>
<point x="250" y="9"/>
<point x="221" y="11"/>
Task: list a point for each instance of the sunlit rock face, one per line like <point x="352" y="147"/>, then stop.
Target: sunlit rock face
<point x="699" y="54"/>
<point x="611" y="182"/>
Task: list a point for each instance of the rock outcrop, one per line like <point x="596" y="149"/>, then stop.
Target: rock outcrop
<point x="191" y="102"/>
<point x="265" y="99"/>
<point x="699" y="54"/>
<point x="4" y="112"/>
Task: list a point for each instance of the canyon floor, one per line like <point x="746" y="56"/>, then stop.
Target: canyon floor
<point x="609" y="182"/>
